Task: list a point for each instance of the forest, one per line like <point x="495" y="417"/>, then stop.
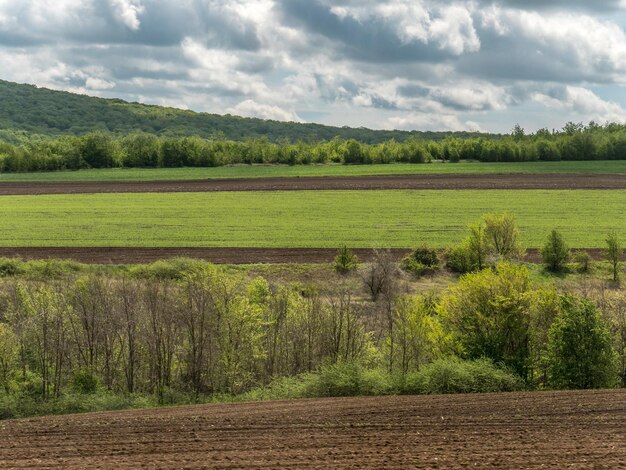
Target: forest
<point x="28" y="111"/>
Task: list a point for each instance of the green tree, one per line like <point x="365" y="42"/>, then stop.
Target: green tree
<point x="9" y="348"/>
<point x="502" y="236"/>
<point x="488" y="314"/>
<point x="345" y="261"/>
<point x="555" y="252"/>
<point x="98" y="150"/>
<point x="580" y="351"/>
<point x="614" y="253"/>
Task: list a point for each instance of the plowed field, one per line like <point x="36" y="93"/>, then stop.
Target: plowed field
<point x="532" y="430"/>
<point x="451" y="181"/>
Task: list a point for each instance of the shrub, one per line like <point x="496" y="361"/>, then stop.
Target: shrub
<point x="454" y="376"/>
<point x="583" y="261"/>
<point x="9" y="267"/>
<point x="555" y="252"/>
<point x="348" y="379"/>
<point x="423" y="260"/>
<point x="580" y="350"/>
<point x="173" y="269"/>
<point x="84" y="381"/>
<point x="458" y="259"/>
<point x="345" y="261"/>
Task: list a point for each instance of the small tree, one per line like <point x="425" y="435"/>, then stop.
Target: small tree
<point x="501" y="235"/>
<point x="580" y="350"/>
<point x="555" y="252"/>
<point x="345" y="261"/>
<point x="614" y="253"/>
<point x="378" y="277"/>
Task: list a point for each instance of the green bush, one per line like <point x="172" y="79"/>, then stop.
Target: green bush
<point x="423" y="260"/>
<point x="583" y="261"/>
<point x="172" y="269"/>
<point x="9" y="267"/>
<point x="459" y="259"/>
<point x="84" y="381"/>
<point x="454" y="376"/>
<point x="348" y="379"/>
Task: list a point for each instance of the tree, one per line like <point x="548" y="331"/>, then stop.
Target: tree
<point x="501" y="233"/>
<point x="98" y="150"/>
<point x="614" y="253"/>
<point x="345" y="261"/>
<point x="580" y="350"/>
<point x="555" y="252"/>
<point x="9" y="348"/>
<point x="378" y="277"/>
<point x="489" y="312"/>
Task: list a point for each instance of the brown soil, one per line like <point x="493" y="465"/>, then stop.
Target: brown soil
<point x="130" y="255"/>
<point x="526" y="430"/>
<point x="491" y="181"/>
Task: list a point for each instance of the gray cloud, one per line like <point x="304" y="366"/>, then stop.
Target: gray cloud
<point x="357" y="62"/>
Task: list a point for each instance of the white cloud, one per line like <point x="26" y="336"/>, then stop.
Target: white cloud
<point x="128" y="12"/>
<point x="251" y="108"/>
<point x="430" y="122"/>
<point x="94" y="83"/>
<point x="582" y="102"/>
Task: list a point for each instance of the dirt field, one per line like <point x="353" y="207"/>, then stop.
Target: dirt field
<point x="532" y="430"/>
<point x="452" y="181"/>
<point x="131" y="255"/>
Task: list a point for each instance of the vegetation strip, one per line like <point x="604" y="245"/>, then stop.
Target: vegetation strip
<point x="380" y="182"/>
<point x="242" y="255"/>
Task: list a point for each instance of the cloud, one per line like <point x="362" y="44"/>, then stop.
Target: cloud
<point x="128" y="11"/>
<point x="251" y="108"/>
<point x="581" y="102"/>
<point x="594" y="6"/>
<point x="421" y="64"/>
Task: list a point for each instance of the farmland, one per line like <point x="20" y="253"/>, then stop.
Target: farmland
<point x="265" y="171"/>
<point x="563" y="429"/>
<point x="303" y="218"/>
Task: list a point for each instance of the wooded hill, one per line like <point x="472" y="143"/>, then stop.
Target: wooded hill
<point x="26" y="110"/>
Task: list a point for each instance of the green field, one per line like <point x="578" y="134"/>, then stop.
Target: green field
<point x="302" y="219"/>
<point x="259" y="171"/>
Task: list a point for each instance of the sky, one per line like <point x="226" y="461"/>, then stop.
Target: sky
<point x="404" y="64"/>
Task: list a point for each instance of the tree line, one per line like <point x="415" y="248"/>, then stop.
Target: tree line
<point x="144" y="150"/>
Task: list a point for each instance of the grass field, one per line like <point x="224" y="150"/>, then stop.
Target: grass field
<point x="260" y="171"/>
<point x="302" y="219"/>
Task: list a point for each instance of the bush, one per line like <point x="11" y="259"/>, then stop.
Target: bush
<point x="580" y="350"/>
<point x="9" y="267"/>
<point x="583" y="261"/>
<point x="348" y="379"/>
<point x="459" y="259"/>
<point x="345" y="261"/>
<point x="555" y="252"/>
<point x="84" y="381"/>
<point x="422" y="261"/>
<point x="454" y="376"/>
<point x="173" y="269"/>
